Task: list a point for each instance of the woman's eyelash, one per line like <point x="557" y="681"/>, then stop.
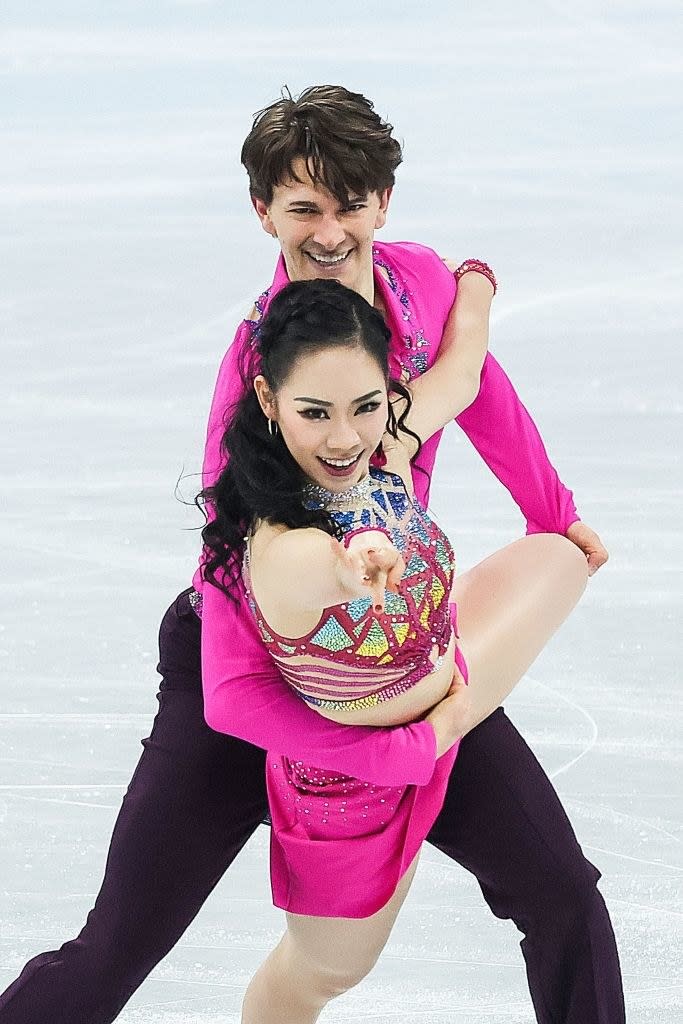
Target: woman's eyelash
<point x="313" y="414"/>
<point x="317" y="414"/>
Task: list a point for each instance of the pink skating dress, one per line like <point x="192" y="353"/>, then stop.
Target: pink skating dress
<point x="339" y="844"/>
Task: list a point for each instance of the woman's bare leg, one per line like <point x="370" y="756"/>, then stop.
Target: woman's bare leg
<point x="508" y="608"/>
<point x="317" y="959"/>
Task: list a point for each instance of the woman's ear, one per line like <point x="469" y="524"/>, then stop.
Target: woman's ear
<point x="265" y="397"/>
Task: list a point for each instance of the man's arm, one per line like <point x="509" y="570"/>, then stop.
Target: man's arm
<point x="453" y="380"/>
<point x="245" y="696"/>
<point x="506" y="437"/>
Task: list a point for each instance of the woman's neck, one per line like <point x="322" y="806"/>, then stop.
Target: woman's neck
<point x="358" y="495"/>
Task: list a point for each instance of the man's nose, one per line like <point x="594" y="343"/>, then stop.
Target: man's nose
<point x="329" y="233"/>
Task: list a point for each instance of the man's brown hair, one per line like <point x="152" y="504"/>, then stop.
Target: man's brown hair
<point x="347" y="147"/>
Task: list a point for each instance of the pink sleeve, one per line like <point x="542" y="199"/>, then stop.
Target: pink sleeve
<point x="245" y="696"/>
<point x="228" y="390"/>
<point x="506" y="437"/>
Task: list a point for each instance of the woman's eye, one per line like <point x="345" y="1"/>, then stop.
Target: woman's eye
<point x="314" y="414"/>
<point x="368" y="407"/>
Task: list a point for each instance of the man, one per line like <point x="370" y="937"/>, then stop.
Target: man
<point x="321" y="173"/>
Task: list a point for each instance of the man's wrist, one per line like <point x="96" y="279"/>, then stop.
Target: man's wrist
<point x="470" y="268"/>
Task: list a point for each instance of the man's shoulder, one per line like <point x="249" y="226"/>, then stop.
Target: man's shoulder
<point x="405" y="255"/>
<point x="252" y="317"/>
<point x="415" y="270"/>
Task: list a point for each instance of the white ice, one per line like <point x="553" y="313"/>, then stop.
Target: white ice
<point x="540" y="136"/>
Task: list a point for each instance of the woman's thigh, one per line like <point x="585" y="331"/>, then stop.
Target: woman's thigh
<point x="508" y="608"/>
<point x="344" y="950"/>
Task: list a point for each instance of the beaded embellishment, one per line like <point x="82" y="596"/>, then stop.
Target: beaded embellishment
<point x="317" y="496"/>
<point x="412" y="358"/>
<point x="392" y="649"/>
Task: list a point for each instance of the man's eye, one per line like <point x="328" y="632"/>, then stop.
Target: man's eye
<point x="354" y="207"/>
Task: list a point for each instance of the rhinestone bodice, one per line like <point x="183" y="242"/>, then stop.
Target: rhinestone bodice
<point x="354" y="657"/>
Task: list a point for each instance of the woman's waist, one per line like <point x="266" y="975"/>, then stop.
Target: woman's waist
<point x="394" y="702"/>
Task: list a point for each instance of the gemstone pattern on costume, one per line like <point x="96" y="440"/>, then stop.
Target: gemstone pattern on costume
<point x="392" y="649"/>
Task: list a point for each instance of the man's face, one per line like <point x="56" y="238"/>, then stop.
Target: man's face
<point x="321" y="238"/>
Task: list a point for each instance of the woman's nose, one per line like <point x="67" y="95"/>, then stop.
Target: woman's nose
<point x="343" y="437"/>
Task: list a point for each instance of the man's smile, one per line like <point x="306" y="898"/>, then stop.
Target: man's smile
<point x="323" y="260"/>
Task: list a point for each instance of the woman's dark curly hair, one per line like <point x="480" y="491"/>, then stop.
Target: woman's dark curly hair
<point x="261" y="479"/>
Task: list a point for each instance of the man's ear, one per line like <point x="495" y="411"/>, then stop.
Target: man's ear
<point x="262" y="213"/>
<point x="265" y="397"/>
<point x="381" y="217"/>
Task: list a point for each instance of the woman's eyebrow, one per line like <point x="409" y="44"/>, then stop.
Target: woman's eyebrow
<point x="370" y="394"/>
<point x="319" y="401"/>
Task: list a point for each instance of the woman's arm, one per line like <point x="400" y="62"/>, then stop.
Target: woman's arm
<point x="327" y="572"/>
<point x="452" y="383"/>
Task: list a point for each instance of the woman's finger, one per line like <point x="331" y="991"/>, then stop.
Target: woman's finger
<point x="375" y="577"/>
<point x="378" y="588"/>
<point x="395" y="574"/>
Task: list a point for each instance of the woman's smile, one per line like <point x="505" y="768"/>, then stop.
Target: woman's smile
<point x="340" y="467"/>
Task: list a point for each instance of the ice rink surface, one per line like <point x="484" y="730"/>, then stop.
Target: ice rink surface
<point x="542" y="137"/>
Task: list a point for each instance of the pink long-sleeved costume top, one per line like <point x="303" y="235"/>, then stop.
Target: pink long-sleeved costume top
<point x="244" y="695"/>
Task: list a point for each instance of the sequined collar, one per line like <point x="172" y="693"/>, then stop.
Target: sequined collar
<point x="317" y="496"/>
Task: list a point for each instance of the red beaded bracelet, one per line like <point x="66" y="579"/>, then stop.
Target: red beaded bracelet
<point x="478" y="267"/>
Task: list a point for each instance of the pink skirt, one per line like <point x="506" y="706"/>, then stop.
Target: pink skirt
<point x="340" y="845"/>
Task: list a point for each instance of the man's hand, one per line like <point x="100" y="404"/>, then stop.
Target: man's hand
<point x="591" y="545"/>
<point x="451" y="718"/>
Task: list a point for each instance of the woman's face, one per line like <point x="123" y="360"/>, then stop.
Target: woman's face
<point x="331" y="411"/>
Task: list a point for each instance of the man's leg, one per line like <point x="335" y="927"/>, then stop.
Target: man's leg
<point x="503" y="821"/>
<point x="193" y="802"/>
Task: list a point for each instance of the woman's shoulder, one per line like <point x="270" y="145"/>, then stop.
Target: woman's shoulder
<point x="273" y="538"/>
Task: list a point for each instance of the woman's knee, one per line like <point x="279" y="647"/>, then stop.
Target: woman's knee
<point x="327" y="974"/>
<point x="561" y="552"/>
<point x="561" y="561"/>
<point x="343" y="977"/>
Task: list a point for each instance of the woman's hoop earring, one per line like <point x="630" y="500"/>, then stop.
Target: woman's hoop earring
<point x="272" y="427"/>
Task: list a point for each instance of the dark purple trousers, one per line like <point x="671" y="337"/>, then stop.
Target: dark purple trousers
<point x="181" y="826"/>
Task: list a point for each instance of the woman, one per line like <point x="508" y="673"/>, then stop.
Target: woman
<point x="349" y="582"/>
